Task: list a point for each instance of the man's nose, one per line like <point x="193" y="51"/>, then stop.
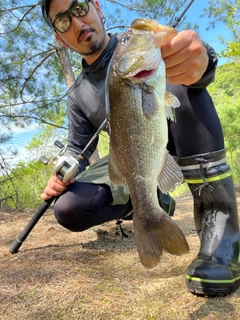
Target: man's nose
<point x="77" y="23"/>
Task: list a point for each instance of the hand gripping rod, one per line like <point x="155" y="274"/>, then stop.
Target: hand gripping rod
<point x="63" y="170"/>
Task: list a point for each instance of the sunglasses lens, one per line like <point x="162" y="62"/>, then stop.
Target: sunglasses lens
<point x="78" y="9"/>
<point x="63" y="22"/>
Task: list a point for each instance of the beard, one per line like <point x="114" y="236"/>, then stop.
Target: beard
<point x="93" y="46"/>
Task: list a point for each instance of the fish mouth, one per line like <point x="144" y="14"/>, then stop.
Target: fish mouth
<point x="141" y="69"/>
<point x="145" y="74"/>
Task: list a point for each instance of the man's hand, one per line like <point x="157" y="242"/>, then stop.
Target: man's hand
<point x="54" y="188"/>
<point x="185" y="58"/>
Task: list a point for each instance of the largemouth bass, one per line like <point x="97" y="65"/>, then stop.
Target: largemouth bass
<point x="139" y="107"/>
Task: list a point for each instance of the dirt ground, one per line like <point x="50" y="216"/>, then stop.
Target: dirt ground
<point x="97" y="275"/>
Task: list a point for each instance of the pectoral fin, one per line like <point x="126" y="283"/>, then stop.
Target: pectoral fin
<point x="171" y="175"/>
<point x="150" y="103"/>
<point x="171" y="102"/>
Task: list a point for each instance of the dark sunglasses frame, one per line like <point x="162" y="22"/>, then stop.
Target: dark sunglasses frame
<point x="65" y="17"/>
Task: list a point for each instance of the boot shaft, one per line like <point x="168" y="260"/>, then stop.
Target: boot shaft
<point x="215" y="207"/>
<point x="216" y="268"/>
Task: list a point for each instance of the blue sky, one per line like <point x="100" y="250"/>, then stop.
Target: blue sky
<point x="21" y="138"/>
<point x="210" y="36"/>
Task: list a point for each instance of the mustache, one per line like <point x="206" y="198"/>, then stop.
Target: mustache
<point x="83" y="31"/>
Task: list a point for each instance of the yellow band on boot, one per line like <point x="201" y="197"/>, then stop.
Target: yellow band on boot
<point x="211" y="179"/>
<point x="212" y="281"/>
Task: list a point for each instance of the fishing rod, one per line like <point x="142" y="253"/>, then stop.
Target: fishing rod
<point x="178" y="19"/>
<point x="65" y="168"/>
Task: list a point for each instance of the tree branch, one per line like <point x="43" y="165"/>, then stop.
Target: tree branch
<point x="33" y="71"/>
<point x="39" y="119"/>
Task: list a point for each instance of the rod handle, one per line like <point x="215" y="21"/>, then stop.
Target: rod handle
<point x="31" y="224"/>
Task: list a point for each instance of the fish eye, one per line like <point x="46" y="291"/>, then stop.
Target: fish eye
<point x="125" y="38"/>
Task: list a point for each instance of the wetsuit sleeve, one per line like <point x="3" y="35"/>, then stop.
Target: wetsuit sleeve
<point x="81" y="130"/>
<point x="209" y="75"/>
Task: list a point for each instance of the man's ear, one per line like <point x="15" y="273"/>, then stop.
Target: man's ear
<point x="98" y="8"/>
<point x="61" y="40"/>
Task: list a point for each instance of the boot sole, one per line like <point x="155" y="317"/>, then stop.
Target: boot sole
<point x="211" y="287"/>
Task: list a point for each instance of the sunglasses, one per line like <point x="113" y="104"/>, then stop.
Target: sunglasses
<point x="63" y="22"/>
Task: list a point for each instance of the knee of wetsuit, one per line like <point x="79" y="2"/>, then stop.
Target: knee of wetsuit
<point x="78" y="211"/>
<point x="63" y="213"/>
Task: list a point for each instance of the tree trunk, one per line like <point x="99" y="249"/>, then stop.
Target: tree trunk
<point x="63" y="56"/>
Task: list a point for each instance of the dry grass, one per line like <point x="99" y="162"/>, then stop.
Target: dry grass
<point x="97" y="275"/>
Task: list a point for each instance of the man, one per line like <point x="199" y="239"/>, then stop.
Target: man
<point x="196" y="140"/>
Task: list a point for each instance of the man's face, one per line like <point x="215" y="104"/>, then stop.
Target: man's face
<point x="86" y="34"/>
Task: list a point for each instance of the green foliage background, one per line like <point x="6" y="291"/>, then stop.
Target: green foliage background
<point x="33" y="89"/>
<point x="226" y="95"/>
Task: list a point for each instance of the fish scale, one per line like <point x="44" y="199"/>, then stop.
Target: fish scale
<point x="136" y="101"/>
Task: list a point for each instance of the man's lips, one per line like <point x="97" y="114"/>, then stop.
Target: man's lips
<point x="84" y="35"/>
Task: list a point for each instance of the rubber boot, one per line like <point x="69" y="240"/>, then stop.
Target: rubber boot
<point x="216" y="269"/>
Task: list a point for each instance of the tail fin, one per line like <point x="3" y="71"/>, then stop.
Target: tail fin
<point x="152" y="236"/>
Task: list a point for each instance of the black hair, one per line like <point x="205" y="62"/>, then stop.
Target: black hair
<point x="45" y="5"/>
